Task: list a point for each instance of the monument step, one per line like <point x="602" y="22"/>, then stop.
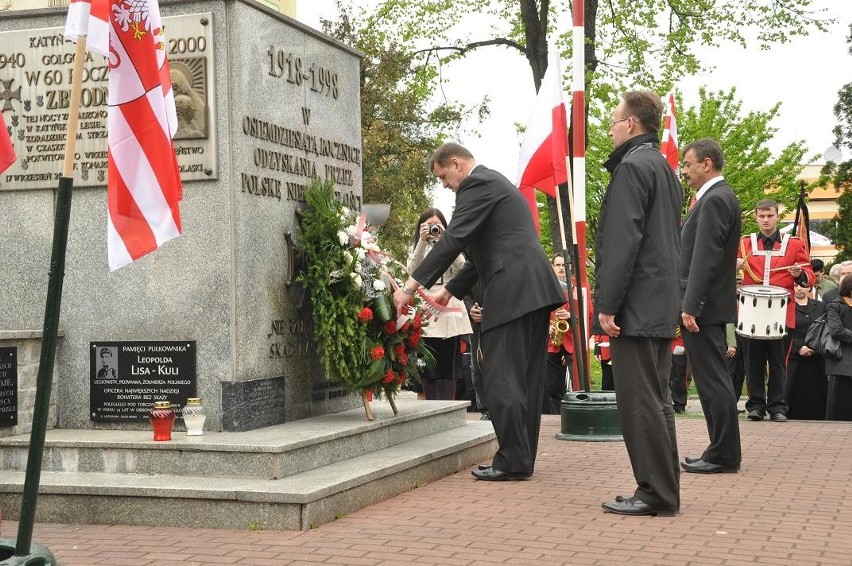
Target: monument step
<point x="266" y="453"/>
<point x="300" y="501"/>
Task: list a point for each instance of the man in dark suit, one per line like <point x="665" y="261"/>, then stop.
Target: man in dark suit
<point x="636" y="298"/>
<point x="708" y="265"/>
<point x="493" y="226"/>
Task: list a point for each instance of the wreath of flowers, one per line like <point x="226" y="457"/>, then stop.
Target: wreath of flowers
<point x="361" y="341"/>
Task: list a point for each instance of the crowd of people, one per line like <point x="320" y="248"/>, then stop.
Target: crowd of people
<point x="676" y="297"/>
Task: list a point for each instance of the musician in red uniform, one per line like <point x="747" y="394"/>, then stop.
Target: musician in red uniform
<point x="768" y="258"/>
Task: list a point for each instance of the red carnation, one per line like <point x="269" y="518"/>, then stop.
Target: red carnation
<point x="377" y="352"/>
<point x="389" y="327"/>
<point x="389" y="377"/>
<point x="366" y="314"/>
<point x="399" y="350"/>
<point x="400" y="379"/>
<point x="418" y="321"/>
<point x="414" y="339"/>
<point x="403" y="358"/>
<point x="406" y="326"/>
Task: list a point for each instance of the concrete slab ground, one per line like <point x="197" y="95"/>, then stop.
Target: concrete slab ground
<point x="790" y="504"/>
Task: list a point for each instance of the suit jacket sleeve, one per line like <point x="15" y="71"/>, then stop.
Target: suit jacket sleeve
<point x="714" y="225"/>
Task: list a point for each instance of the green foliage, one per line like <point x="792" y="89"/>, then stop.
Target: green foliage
<point x="840" y="174"/>
<point x="401" y="125"/>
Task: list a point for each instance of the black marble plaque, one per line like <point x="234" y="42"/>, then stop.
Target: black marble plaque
<point x="8" y="386"/>
<point x="127" y="377"/>
<point x="247" y="405"/>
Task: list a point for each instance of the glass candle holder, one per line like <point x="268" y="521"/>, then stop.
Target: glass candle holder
<point x="162" y="420"/>
<point x="194" y="416"/>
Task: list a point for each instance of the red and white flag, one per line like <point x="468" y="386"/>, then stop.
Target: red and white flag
<point x="542" y="163"/>
<point x="7" y="150"/>
<point x="668" y="147"/>
<point x="143" y="181"/>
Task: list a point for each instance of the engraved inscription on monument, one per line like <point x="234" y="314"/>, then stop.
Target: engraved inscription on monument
<point x="127" y="377"/>
<point x="36" y="71"/>
<point x="252" y="404"/>
<point x="8" y="386"/>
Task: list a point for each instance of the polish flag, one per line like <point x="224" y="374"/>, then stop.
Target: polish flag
<point x="542" y="163"/>
<point x="668" y="147"/>
<point x="7" y="150"/>
<point x="143" y="183"/>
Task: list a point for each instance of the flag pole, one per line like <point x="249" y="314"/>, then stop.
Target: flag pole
<point x="56" y="276"/>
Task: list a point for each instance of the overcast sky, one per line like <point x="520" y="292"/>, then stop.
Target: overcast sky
<point x="804" y="76"/>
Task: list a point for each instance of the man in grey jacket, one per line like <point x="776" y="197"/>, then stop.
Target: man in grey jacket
<point x="636" y="298"/>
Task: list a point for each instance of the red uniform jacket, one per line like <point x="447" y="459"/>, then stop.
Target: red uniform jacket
<point x="789" y="252"/>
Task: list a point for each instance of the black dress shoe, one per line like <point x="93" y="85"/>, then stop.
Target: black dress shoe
<point x="778" y="417"/>
<point x="702" y="467"/>
<point x="689" y="460"/>
<point x="493" y="474"/>
<point x="635" y="507"/>
<point x="756" y="415"/>
<point x="483" y="466"/>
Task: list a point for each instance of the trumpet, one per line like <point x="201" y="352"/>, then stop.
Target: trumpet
<point x="558" y="328"/>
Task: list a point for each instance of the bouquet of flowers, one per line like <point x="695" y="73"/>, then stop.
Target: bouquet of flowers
<point x="362" y="342"/>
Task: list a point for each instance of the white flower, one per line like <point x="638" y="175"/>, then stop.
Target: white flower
<point x="345" y="212"/>
<point x="379" y="285"/>
<point x="356" y="279"/>
<point x="360" y="253"/>
<point x="335" y="275"/>
<point x="353" y="231"/>
<point x="343" y="237"/>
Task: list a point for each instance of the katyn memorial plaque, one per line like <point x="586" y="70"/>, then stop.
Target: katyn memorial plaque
<point x="8" y="386"/>
<point x="36" y="70"/>
<point x="127" y="377"/>
<point x="266" y="105"/>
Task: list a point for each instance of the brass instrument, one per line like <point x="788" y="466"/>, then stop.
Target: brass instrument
<point x="558" y="328"/>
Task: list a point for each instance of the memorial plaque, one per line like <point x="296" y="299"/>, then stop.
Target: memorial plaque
<point x="8" y="386"/>
<point x="127" y="377"/>
<point x="36" y="68"/>
<point x="247" y="405"/>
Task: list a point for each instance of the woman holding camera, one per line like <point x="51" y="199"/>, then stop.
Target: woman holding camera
<point x="444" y="334"/>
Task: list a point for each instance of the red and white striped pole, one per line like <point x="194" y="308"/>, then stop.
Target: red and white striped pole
<point x="578" y="168"/>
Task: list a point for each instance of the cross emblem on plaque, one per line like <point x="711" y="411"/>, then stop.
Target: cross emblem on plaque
<point x="7" y="94"/>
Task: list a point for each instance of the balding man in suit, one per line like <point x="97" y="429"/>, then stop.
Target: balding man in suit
<point x="493" y="226"/>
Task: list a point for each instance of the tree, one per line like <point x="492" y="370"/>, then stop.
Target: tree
<point x="399" y="131"/>
<point x="840" y="174"/>
<point x="643" y="43"/>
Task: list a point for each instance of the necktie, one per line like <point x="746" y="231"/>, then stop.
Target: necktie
<point x="768" y="243"/>
<point x="692" y="202"/>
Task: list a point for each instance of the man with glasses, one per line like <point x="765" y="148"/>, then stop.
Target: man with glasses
<point x="636" y="299"/>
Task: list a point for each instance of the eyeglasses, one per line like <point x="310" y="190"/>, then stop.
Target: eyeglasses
<point x="614" y="122"/>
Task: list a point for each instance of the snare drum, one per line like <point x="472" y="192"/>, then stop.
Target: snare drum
<point x="762" y="312"/>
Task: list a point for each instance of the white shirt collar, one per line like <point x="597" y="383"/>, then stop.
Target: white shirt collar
<point x="706" y="186"/>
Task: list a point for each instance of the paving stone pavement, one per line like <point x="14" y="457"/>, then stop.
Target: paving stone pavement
<point x="790" y="504"/>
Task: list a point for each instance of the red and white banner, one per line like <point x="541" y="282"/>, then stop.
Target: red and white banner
<point x="668" y="146"/>
<point x="7" y="150"/>
<point x="542" y="163"/>
<point x="143" y="183"/>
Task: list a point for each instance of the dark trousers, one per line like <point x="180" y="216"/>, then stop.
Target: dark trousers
<point x="607" y="382"/>
<point x="439" y="383"/>
<point x="641" y="369"/>
<point x="707" y="350"/>
<point x="476" y="371"/>
<point x="839" y="405"/>
<point x="555" y="384"/>
<point x="806" y="391"/>
<point x="514" y="361"/>
<point x="736" y="368"/>
<point x="678" y="382"/>
<point x="766" y="392"/>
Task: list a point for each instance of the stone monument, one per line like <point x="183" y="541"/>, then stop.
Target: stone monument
<point x="265" y="105"/>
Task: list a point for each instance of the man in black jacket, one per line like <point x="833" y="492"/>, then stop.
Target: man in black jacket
<point x="636" y="298"/>
<point x="708" y="266"/>
<point x="493" y="226"/>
